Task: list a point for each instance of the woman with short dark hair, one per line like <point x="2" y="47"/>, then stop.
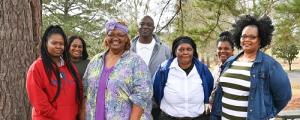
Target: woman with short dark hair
<point x="183" y="84"/>
<point x="225" y="48"/>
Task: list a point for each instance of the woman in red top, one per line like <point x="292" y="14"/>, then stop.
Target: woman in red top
<point x="53" y="85"/>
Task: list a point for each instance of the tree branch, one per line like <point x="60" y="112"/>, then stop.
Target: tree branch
<point x="52" y="12"/>
<point x="56" y="7"/>
<point x="85" y="21"/>
<point x="217" y="22"/>
<point x="162" y="13"/>
<point x="178" y="10"/>
<point x="147" y="7"/>
<point x="272" y="2"/>
<point x="74" y="8"/>
<point x="182" y="23"/>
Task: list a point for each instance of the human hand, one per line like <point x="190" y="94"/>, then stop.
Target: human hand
<point x="207" y="108"/>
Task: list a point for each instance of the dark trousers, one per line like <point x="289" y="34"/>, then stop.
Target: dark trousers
<point x="165" y="116"/>
<point x="155" y="113"/>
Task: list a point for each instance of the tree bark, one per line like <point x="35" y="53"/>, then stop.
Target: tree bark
<point x="207" y="61"/>
<point x="290" y="65"/>
<point x="20" y="30"/>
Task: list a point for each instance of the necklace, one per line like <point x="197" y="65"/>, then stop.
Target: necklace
<point x="244" y="59"/>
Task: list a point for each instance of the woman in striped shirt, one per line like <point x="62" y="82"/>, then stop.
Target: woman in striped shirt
<point x="253" y="85"/>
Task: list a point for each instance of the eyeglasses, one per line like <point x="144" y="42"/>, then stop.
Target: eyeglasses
<point x="251" y="37"/>
<point x="110" y="35"/>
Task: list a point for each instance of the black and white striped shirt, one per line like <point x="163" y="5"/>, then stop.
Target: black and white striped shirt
<point x="235" y="83"/>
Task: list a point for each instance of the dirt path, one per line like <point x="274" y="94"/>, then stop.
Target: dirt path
<point x="295" y="102"/>
<point x="295" y="82"/>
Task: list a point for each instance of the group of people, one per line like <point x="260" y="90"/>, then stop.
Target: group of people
<point x="143" y="79"/>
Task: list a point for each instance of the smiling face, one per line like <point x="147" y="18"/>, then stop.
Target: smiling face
<point x="146" y="27"/>
<point x="224" y="51"/>
<point x="250" y="41"/>
<point x="55" y="45"/>
<point x="116" y="40"/>
<point x="76" y="49"/>
<point x="184" y="54"/>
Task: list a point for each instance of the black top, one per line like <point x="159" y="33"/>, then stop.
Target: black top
<point x="81" y="66"/>
<point x="189" y="69"/>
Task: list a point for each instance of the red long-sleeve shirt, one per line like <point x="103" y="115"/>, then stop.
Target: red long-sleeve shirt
<point x="41" y="92"/>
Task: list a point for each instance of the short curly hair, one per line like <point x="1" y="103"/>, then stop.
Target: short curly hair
<point x="263" y="24"/>
<point x="226" y="36"/>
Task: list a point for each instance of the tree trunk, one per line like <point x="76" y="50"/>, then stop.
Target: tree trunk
<point x="20" y="25"/>
<point x="207" y="61"/>
<point x="290" y="65"/>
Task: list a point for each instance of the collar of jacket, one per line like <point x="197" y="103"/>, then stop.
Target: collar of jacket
<point x="134" y="41"/>
<point x="166" y="65"/>
<point x="101" y="55"/>
<point x="259" y="57"/>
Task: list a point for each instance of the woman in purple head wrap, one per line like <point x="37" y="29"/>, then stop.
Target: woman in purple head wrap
<point x="117" y="82"/>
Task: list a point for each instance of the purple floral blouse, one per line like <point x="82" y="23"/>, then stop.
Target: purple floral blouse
<point x="129" y="83"/>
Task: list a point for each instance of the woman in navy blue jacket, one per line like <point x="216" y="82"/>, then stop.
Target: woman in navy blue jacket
<point x="253" y="85"/>
<point x="183" y="84"/>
